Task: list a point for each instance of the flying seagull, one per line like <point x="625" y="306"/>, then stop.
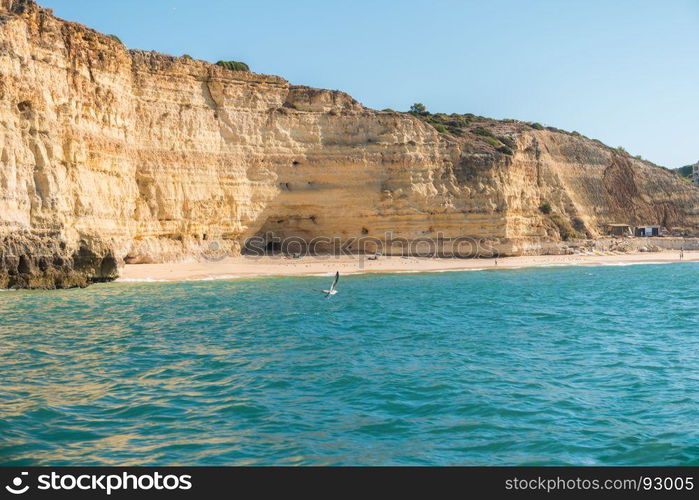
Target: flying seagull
<point x="332" y="291"/>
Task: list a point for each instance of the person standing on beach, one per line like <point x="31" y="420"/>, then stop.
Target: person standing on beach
<point x="681" y="253"/>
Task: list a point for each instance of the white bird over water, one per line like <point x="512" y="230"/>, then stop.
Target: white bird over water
<point x="332" y="291"/>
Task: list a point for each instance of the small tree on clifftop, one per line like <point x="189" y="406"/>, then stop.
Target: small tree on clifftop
<point x="419" y="109"/>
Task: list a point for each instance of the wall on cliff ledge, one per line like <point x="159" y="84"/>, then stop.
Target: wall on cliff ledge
<point x="110" y="155"/>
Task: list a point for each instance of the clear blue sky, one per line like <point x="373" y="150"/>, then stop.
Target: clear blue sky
<point x="625" y="72"/>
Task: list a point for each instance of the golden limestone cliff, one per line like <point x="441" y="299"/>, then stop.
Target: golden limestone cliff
<point x="109" y="155"/>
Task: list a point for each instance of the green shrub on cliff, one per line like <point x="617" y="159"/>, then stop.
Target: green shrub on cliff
<point x="565" y="228"/>
<point x="234" y="65"/>
<point x="545" y="208"/>
<point x="492" y="141"/>
<point x="507" y="141"/>
<point x="482" y="131"/>
<point x="116" y="39"/>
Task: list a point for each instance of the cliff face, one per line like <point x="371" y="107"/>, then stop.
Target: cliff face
<point x="109" y="155"/>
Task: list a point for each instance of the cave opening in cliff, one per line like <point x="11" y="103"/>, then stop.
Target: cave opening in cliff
<point x="273" y="246"/>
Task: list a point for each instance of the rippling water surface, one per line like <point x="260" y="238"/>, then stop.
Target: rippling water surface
<point x="541" y="366"/>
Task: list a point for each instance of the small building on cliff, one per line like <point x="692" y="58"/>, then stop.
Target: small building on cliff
<point x="648" y="231"/>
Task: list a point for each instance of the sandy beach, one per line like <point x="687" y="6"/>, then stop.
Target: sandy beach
<point x="245" y="267"/>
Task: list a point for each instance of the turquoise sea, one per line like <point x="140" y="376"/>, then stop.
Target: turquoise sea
<point x="576" y="365"/>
